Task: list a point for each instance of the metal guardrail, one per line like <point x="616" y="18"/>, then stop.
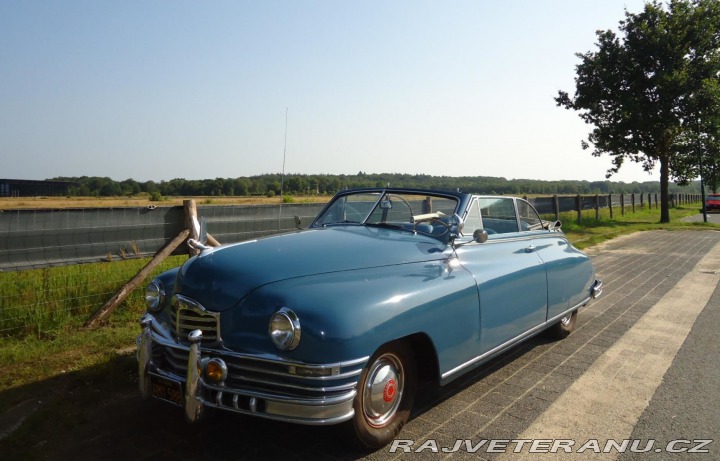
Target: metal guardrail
<point x="43" y="238"/>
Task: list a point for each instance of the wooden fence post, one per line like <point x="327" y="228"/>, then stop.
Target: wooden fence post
<point x="556" y="207"/>
<point x="102" y="313"/>
<point x="190" y="220"/>
<point x="191" y="212"/>
<point x="190" y="232"/>
<point x="597" y="207"/>
<point x="632" y="197"/>
<point x="622" y="204"/>
<point x="578" y="207"/>
<point x="609" y="199"/>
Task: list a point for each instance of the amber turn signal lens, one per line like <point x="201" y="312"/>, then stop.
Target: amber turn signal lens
<point x="216" y="370"/>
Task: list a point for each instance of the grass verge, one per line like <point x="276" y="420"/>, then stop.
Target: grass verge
<point x="589" y="231"/>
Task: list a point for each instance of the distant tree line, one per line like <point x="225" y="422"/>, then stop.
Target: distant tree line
<point x="309" y="185"/>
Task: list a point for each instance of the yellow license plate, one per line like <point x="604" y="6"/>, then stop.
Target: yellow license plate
<point x="168" y="390"/>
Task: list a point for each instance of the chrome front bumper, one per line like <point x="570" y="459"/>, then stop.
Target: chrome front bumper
<point x="597" y="289"/>
<point x="268" y="387"/>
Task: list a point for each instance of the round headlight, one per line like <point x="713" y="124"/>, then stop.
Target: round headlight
<point x="284" y="329"/>
<point x="154" y="296"/>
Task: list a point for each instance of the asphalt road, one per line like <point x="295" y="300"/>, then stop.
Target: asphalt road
<point x="713" y="217"/>
<point x="641" y="371"/>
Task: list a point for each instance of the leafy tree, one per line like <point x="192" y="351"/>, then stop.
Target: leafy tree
<point x="295" y="185"/>
<point x="130" y="187"/>
<point x="241" y="187"/>
<point x="646" y="93"/>
<point x="700" y="149"/>
<point x="150" y="187"/>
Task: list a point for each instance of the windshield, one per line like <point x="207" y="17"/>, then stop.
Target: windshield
<point x="417" y="212"/>
<point x="353" y="208"/>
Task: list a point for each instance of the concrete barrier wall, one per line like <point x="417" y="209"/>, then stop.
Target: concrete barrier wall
<point x="42" y="238"/>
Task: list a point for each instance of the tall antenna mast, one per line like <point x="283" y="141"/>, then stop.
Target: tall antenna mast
<point x="282" y="178"/>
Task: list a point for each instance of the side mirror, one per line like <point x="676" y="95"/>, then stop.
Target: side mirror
<point x="557" y="224"/>
<point x="480" y="236"/>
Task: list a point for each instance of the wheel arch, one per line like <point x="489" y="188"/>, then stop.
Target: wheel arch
<point x="425" y="354"/>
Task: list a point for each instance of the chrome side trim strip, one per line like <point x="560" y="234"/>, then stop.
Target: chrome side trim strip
<point x="511" y="342"/>
<point x="563" y="314"/>
<point x="493" y="351"/>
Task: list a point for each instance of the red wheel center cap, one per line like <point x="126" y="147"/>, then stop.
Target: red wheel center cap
<point x="390" y="390"/>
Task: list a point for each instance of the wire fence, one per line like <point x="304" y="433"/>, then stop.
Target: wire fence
<point x="58" y="266"/>
<point x="38" y="302"/>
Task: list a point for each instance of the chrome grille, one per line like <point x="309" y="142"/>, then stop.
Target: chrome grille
<point x="188" y="315"/>
<point x="257" y="375"/>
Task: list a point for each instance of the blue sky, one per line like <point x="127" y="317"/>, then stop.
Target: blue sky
<point x="155" y="90"/>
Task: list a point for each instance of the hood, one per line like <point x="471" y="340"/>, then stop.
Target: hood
<point x="221" y="277"/>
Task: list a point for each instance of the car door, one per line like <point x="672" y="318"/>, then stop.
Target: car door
<point x="511" y="279"/>
<point x="569" y="271"/>
<point x="552" y="248"/>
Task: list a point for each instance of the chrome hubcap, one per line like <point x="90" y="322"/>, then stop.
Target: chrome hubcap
<point x="383" y="390"/>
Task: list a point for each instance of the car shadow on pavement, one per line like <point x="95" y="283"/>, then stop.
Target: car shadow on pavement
<point x="97" y="413"/>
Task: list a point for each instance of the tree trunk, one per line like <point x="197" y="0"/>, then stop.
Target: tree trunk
<point x="664" y="188"/>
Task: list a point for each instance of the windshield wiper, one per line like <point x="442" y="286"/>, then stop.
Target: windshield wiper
<point x="336" y="223"/>
<point x="387" y="224"/>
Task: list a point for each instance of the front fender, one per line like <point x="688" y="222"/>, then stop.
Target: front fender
<point x="350" y="314"/>
<point x="167" y="279"/>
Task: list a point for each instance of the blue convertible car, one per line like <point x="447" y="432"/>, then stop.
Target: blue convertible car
<point x="337" y="323"/>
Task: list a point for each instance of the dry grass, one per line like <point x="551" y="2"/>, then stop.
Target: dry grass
<point x="15" y="203"/>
